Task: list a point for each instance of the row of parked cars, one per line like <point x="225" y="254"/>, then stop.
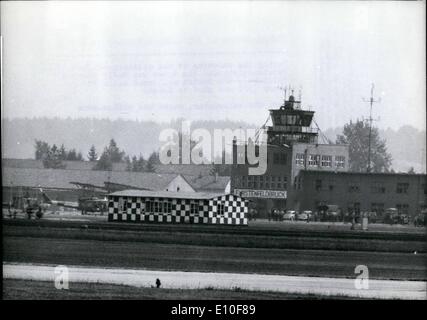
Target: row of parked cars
<point x="390" y="216"/>
<point x="292" y="215"/>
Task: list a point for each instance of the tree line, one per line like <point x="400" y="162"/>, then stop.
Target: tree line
<point x="53" y="157"/>
<point x="355" y="134"/>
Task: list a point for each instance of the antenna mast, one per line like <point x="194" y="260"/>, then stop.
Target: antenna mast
<point x="371" y="102"/>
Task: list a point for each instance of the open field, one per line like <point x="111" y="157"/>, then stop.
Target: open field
<point x="220" y="237"/>
<point x="224" y="236"/>
<point x="44" y="290"/>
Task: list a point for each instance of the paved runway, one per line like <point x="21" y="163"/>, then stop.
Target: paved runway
<point x="382" y="289"/>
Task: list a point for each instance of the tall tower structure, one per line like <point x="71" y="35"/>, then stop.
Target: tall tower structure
<point x="291" y="124"/>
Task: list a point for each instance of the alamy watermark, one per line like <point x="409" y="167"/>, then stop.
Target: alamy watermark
<point x="362" y="279"/>
<point x="199" y="146"/>
<point x="61" y="278"/>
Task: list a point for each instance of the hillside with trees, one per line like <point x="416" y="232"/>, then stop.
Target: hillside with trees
<point x="139" y="139"/>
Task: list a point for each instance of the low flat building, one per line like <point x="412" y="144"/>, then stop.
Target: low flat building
<point x="354" y="191"/>
<point x="177" y="207"/>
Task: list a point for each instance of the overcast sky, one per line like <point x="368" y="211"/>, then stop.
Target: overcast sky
<point x="214" y="60"/>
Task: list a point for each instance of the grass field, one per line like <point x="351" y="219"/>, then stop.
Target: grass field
<point x="159" y="256"/>
<point x="222" y="236"/>
<point x="43" y="290"/>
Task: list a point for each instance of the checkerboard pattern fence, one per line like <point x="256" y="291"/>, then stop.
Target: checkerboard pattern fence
<point x="226" y="209"/>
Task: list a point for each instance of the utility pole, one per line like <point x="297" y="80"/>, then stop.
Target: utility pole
<point x="371" y="102"/>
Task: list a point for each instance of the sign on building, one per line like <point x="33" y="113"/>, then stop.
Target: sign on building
<point x="269" y="194"/>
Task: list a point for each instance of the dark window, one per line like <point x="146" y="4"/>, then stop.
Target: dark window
<point x="318" y="185"/>
<point x="354" y="188"/>
<point x="377" y="187"/>
<point x="402" y="187"/>
<point x="402" y="208"/>
<point x="148" y="206"/>
<point x="220" y="209"/>
<point x="193" y="208"/>
<point x="167" y="206"/>
<point x="124" y="206"/>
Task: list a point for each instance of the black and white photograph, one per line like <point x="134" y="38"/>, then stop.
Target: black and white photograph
<point x="213" y="150"/>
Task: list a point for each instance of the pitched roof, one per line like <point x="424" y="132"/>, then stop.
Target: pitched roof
<point x="61" y="178"/>
<point x="208" y="183"/>
<point x="184" y="169"/>
<point x="167" y="194"/>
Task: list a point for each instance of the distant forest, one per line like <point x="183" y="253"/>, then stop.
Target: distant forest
<point x="406" y="144"/>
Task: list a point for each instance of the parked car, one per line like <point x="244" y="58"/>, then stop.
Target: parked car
<point x="289" y="215"/>
<point x="304" y="216"/>
<point x="330" y="212"/>
<point x="276" y="214"/>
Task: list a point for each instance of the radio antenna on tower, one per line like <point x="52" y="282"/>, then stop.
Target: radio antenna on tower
<point x="284" y="89"/>
<point x="371" y="102"/>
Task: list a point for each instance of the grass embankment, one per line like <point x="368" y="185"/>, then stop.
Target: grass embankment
<point x="43" y="290"/>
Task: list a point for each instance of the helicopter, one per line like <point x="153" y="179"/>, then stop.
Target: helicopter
<point x="84" y="204"/>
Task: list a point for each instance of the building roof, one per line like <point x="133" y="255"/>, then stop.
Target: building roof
<point x="167" y="194"/>
<point x="184" y="169"/>
<point x="208" y="183"/>
<point x="61" y="178"/>
<point x="352" y="173"/>
<point x="31" y="173"/>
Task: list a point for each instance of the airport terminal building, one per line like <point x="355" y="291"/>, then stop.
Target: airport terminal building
<point x="292" y="146"/>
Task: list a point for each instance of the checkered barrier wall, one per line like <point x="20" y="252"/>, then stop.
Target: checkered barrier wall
<point x="235" y="210"/>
